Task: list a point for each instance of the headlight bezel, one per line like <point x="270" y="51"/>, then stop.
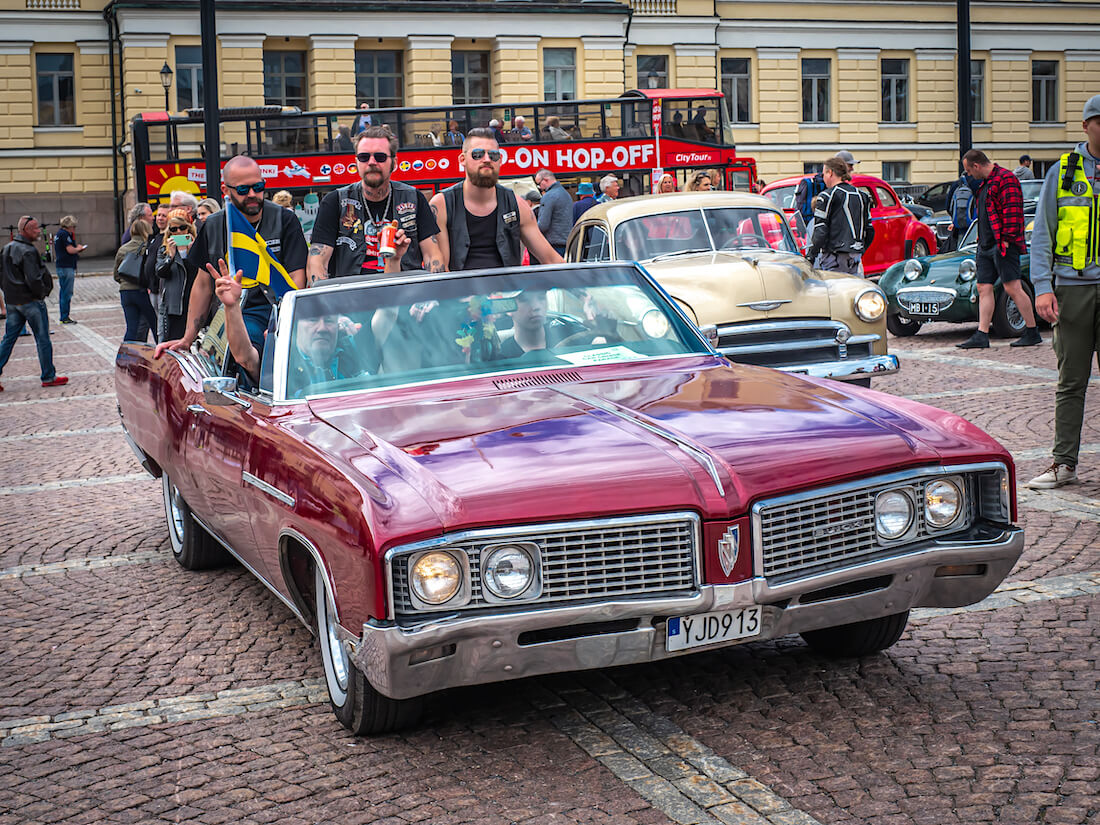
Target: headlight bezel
<point x="866" y="317"/>
<point x="533" y="588"/>
<point x="460" y="595"/>
<point x="910" y="527"/>
<point x="968" y="270"/>
<point x="912" y="270"/>
<point x="958" y="485"/>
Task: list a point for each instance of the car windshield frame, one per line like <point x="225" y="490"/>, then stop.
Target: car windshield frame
<point x="575" y="282"/>
<point x="707" y="215"/>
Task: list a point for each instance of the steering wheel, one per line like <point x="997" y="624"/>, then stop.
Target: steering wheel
<point x="739" y="242"/>
<point x="585" y="336"/>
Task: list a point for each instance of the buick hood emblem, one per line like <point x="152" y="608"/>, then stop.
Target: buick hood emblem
<point x="765" y="306"/>
<point x="727" y="548"/>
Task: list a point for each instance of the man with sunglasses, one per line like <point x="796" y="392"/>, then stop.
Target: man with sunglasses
<point x="243" y="185"/>
<point x="481" y="222"/>
<point x="350" y="219"/>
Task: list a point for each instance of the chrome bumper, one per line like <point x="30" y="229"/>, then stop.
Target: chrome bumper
<point x="848" y="370"/>
<point x="476" y="649"/>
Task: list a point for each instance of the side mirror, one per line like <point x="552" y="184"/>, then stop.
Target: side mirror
<point x="221" y="391"/>
<point x="710" y="332"/>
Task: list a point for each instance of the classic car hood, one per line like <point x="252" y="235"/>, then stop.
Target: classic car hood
<point x="727" y="287"/>
<point x="710" y="439"/>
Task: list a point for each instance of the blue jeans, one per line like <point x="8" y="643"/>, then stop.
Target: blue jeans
<point x="34" y="315"/>
<point x="66" y="277"/>
<point x="139" y="314"/>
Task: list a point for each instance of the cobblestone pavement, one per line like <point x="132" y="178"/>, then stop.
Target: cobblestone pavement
<point x="134" y="691"/>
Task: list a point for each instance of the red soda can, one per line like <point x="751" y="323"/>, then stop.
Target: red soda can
<point x="386" y="240"/>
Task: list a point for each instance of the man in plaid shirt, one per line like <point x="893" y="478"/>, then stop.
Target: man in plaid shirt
<point x="1000" y="243"/>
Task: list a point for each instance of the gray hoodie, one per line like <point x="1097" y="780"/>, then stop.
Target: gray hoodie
<point x="1043" y="270"/>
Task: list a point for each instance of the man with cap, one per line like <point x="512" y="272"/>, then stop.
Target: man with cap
<point x="847" y="157"/>
<point x="586" y="199"/>
<point x="1023" y="171"/>
<point x="1065" y="270"/>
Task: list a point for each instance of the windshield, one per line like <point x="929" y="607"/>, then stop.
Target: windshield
<point x="363" y="337"/>
<point x="782" y="196"/>
<point x="1031" y="189"/>
<point x="702" y="230"/>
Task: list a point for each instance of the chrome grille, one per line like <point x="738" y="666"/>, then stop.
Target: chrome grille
<point x="653" y="556"/>
<point x="914" y="296"/>
<point x="790" y="343"/>
<point x="801" y="536"/>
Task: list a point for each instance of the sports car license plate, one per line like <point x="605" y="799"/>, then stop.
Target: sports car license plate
<point x="925" y="309"/>
<point x="685" y="632"/>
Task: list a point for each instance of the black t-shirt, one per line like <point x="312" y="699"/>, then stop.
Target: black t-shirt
<point x="326" y="227"/>
<point x="483" y="252"/>
<point x="986" y="238"/>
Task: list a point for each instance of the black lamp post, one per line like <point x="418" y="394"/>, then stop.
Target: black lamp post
<point x="166" y="82"/>
<point x="962" y="25"/>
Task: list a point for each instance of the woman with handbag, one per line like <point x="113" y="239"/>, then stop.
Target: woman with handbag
<point x="134" y="295"/>
<point x="172" y="272"/>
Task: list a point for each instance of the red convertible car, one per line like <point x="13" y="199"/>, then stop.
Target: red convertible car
<point x="463" y="478"/>
<point x="898" y="234"/>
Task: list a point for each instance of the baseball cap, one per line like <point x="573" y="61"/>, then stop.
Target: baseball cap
<point x="1092" y="108"/>
<point x="586" y="188"/>
<point x="846" y="156"/>
<point x="1024" y="157"/>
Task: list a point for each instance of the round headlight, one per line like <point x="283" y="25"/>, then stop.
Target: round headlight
<point x="655" y="324"/>
<point x="968" y="269"/>
<point x="507" y="571"/>
<point x="913" y="269"/>
<point x="893" y="514"/>
<point x="436" y="577"/>
<point x="870" y="305"/>
<point x="942" y="503"/>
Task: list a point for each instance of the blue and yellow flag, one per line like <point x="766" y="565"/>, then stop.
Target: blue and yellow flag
<point x="248" y="253"/>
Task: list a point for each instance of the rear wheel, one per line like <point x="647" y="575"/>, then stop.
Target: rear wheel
<point x="920" y="248"/>
<point x="858" y="639"/>
<point x="193" y="547"/>
<point x="901" y="326"/>
<point x="1007" y="320"/>
<point x="359" y="707"/>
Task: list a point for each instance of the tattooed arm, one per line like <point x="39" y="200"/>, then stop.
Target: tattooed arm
<point x="442" y="240"/>
<point x="317" y="262"/>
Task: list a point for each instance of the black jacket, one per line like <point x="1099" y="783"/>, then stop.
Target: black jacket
<point x="842" y="221"/>
<point x="24" y="277"/>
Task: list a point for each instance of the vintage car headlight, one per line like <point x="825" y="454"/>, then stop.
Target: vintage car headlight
<point x="967" y="270"/>
<point x="943" y="502"/>
<point x="870" y="305"/>
<point x="893" y="514"/>
<point x="436" y="577"/>
<point x="913" y="269"/>
<point x="655" y="324"/>
<point x="509" y="570"/>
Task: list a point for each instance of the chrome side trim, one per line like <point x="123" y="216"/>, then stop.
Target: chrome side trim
<point x="701" y="457"/>
<point x="274" y="492"/>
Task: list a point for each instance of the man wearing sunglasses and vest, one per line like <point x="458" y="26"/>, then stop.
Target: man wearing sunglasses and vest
<point x="1065" y="269"/>
<point x="243" y="185"/>
<point x="481" y="222"/>
<point x="349" y="221"/>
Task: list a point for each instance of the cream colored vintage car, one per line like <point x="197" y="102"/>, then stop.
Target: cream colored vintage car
<point x="730" y="261"/>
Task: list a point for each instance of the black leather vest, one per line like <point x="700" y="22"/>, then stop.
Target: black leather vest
<point x="508" y="235"/>
<point x="351" y="245"/>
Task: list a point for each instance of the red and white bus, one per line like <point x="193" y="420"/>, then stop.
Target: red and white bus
<point x="635" y="137"/>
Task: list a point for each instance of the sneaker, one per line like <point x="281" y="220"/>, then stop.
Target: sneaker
<point x="1030" y="338"/>
<point x="68" y="321"/>
<point x="979" y="340"/>
<point x="57" y="381"/>
<point x="1057" y="475"/>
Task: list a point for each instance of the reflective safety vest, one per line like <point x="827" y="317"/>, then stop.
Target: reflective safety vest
<point x="1077" y="241"/>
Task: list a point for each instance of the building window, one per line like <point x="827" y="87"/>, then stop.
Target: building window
<point x="188" y="77"/>
<point x="285" y="79"/>
<point x="895" y="171"/>
<point x="652" y="71"/>
<point x="56" y="98"/>
<point x="815" y="89"/>
<point x="1044" y="91"/>
<point x="559" y="74"/>
<point x="470" y="77"/>
<point x="977" y="91"/>
<point x="735" y="86"/>
<point x="895" y="90"/>
<point x="378" y="79"/>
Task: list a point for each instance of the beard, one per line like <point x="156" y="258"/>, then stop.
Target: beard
<point x="486" y="178"/>
<point x="374" y="179"/>
<point x="249" y="205"/>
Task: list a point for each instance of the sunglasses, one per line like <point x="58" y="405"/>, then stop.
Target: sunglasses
<point x="478" y="154"/>
<point x="245" y="188"/>
<point x="23" y="221"/>
<point x="379" y="157"/>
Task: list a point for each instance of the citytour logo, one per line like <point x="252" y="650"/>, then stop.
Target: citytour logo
<point x="688" y="158"/>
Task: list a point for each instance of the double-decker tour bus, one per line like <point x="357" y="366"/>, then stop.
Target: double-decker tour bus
<point x="636" y="137"/>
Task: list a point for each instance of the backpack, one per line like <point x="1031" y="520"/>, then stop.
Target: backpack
<point x="809" y="189"/>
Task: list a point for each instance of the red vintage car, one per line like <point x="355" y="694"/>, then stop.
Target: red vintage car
<point x="464" y="478"/>
<point x="898" y="234"/>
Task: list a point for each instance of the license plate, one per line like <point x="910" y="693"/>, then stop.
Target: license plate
<point x="686" y="632"/>
<point x="924" y="309"/>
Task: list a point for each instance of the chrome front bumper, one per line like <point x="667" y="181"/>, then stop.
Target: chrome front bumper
<point x="848" y="370"/>
<point x="445" y="652"/>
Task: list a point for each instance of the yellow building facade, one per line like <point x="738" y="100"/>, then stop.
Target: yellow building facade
<point x="802" y="80"/>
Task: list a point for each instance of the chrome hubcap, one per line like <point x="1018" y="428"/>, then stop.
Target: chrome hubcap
<point x="175" y="513"/>
<point x="337" y="655"/>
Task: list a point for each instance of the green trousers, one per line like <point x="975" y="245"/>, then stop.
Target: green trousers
<point x="1076" y="340"/>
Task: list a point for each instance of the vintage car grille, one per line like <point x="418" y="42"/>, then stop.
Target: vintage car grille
<point x="616" y="558"/>
<point x="911" y="298"/>
<point x="800" y="536"/>
<point x="791" y="343"/>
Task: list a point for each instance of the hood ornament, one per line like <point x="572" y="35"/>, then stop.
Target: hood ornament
<point x="766" y="306"/>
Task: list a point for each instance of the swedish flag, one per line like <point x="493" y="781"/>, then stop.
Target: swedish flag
<point x="248" y="253"/>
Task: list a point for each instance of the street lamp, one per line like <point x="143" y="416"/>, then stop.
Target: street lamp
<point x="166" y="82"/>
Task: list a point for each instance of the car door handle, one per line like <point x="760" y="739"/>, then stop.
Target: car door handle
<point x="198" y="409"/>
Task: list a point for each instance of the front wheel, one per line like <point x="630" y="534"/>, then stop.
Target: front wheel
<point x="192" y="546"/>
<point x="901" y="326"/>
<point x="857" y="639"/>
<point x="359" y="707"/>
